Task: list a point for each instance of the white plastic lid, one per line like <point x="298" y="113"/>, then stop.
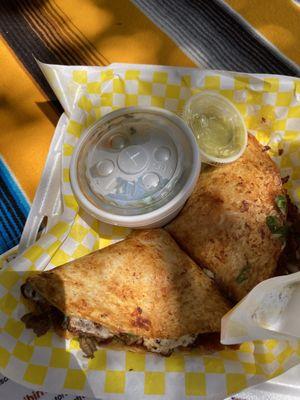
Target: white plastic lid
<point x="135" y="165"/>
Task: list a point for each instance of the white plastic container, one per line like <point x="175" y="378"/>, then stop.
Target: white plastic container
<point x="218" y="126"/>
<point x="135" y="167"/>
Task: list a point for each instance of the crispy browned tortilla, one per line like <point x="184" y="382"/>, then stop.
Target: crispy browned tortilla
<point x="223" y="224"/>
<point x="144" y="286"/>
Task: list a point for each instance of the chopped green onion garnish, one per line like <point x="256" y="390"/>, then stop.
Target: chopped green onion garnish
<point x="275" y="227"/>
<point x="244" y="274"/>
<point x="281" y="203"/>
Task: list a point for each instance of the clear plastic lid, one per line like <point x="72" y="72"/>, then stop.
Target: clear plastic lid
<point x="134" y="163"/>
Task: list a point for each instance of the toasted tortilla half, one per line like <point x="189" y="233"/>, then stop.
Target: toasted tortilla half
<point x="223" y="224"/>
<point x="145" y="285"/>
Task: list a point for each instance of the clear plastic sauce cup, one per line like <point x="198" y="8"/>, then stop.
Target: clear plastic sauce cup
<point x="218" y="126"/>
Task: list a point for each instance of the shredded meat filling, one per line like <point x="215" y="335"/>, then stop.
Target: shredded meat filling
<point x="43" y="319"/>
<point x="88" y="345"/>
<point x="80" y="325"/>
<point x="39" y="323"/>
<point x="91" y="334"/>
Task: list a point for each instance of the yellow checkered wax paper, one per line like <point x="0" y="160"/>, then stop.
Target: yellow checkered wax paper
<point x="271" y="108"/>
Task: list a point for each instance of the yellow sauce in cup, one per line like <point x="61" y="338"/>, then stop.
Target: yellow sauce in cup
<point x="218" y="127"/>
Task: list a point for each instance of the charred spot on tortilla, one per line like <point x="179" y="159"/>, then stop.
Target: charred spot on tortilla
<point x="266" y="148"/>
<point x="138" y="311"/>
<point x="141" y="322"/>
<point x="285" y="179"/>
<point x="245" y="206"/>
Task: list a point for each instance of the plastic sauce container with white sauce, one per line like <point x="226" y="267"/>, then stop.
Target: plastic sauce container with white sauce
<point x="135" y="167"/>
<point x="218" y="126"/>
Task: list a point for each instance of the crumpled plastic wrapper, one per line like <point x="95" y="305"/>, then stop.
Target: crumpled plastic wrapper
<point x="269" y="311"/>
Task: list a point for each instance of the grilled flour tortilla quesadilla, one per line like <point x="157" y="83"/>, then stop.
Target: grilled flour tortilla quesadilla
<point x="144" y="291"/>
<point x="234" y="222"/>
